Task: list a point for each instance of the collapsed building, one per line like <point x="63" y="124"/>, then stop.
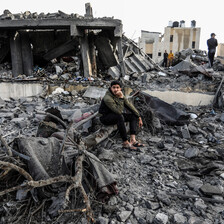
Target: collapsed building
<point x="95" y="44"/>
<point x="58" y="164"/>
<point x="35" y="39"/>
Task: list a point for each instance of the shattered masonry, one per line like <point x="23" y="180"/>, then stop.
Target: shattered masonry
<point x="58" y="164"/>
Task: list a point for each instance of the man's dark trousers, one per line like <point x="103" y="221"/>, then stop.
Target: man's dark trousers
<point x="119" y="120"/>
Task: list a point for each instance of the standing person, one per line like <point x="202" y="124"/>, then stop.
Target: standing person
<point x="212" y="44"/>
<point x="112" y="111"/>
<point x="165" y="56"/>
<point x="170" y="58"/>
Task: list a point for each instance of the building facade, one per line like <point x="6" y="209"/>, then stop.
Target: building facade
<point x="176" y="37"/>
<point x="220" y="50"/>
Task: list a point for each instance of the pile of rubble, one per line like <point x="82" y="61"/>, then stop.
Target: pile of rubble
<point x="176" y="178"/>
<point x="58" y="164"/>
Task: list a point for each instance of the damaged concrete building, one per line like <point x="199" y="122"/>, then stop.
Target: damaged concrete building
<point x="31" y="39"/>
<point x="176" y="37"/>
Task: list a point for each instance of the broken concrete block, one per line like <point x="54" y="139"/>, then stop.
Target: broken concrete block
<point x="124" y="215"/>
<point x="194" y="184"/>
<point x="193" y="116"/>
<point x="163" y="197"/>
<point x="53" y="77"/>
<point x="114" y="72"/>
<point x="135" y="75"/>
<point x="146" y="77"/>
<point x="211" y="189"/>
<point x="192" y="129"/>
<point x="184" y="53"/>
<point x="179" y="219"/>
<point x="7" y="115"/>
<point x="191" y="152"/>
<point x="59" y="90"/>
<point x="74" y="93"/>
<point x="66" y="76"/>
<point x="184" y="66"/>
<point x="185" y="132"/>
<point x="108" y="155"/>
<point x="200" y="204"/>
<point x="162" y="74"/>
<point x="94" y="92"/>
<point x="160" y="218"/>
<point x="126" y="77"/>
<point x="222" y="175"/>
<point x="20" y="122"/>
<point x="58" y="69"/>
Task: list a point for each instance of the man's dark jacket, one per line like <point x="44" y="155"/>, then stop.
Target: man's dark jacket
<point x="212" y="44"/>
<point x="113" y="104"/>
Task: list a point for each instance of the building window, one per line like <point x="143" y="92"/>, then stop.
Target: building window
<point x="159" y="54"/>
<point x="171" y="38"/>
<point x="193" y="44"/>
<point x="150" y="55"/>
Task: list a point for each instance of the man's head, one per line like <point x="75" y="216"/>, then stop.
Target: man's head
<point x="115" y="86"/>
<point x="213" y="35"/>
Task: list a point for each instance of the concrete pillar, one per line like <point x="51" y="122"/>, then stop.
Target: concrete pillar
<point x="85" y="56"/>
<point x="92" y="54"/>
<point x="16" y="54"/>
<point x="27" y="55"/>
<point x="120" y="57"/>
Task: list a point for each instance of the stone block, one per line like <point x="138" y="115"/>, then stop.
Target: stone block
<point x="211" y="189"/>
<point x="160" y="218"/>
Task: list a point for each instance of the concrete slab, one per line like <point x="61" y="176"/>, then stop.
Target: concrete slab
<point x="19" y="90"/>
<point x="193" y="99"/>
<point x="95" y="92"/>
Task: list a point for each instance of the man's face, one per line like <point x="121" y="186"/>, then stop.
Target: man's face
<point x="115" y="89"/>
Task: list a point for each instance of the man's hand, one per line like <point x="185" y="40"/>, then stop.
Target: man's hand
<point x="119" y="94"/>
<point x="140" y="123"/>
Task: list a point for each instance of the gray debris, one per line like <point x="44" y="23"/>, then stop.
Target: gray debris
<point x="102" y="220"/>
<point x="160" y="218"/>
<point x="94" y="92"/>
<point x="194" y="184"/>
<point x="200" y="204"/>
<point x="209" y="189"/>
<point x="124" y="215"/>
<point x="185" y="132"/>
<point x="191" y="152"/>
<point x="179" y="219"/>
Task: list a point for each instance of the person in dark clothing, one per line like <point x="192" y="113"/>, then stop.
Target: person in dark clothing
<point x="165" y="56"/>
<point x="212" y="44"/>
<point x="112" y="112"/>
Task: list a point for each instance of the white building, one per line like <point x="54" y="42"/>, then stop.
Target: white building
<point x="220" y="50"/>
<point x="176" y="38"/>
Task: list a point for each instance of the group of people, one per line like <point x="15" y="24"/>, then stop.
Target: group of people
<point x="212" y="43"/>
<point x="168" y="59"/>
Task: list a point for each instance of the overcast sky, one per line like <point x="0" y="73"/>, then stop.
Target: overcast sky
<point x="149" y="15"/>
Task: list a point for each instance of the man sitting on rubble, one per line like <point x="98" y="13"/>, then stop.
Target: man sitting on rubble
<point x="112" y="111"/>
